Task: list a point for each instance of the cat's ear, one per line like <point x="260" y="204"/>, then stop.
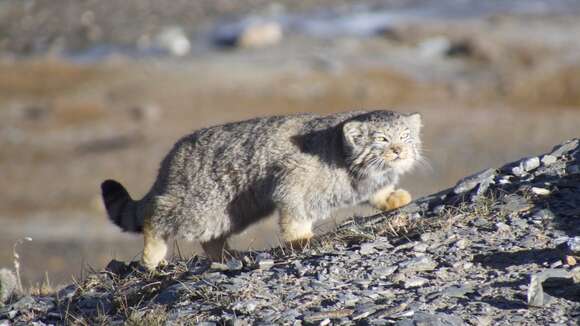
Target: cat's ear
<point x="352" y="131"/>
<point x="414" y="121"/>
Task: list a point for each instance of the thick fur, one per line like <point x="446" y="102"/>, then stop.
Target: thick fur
<point x="122" y="210"/>
<point x="219" y="180"/>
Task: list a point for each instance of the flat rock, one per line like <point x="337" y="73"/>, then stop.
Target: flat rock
<point x="469" y="183"/>
<point x="427" y="319"/>
<point x="536" y="294"/>
<point x="530" y="164"/>
<point x="418" y="264"/>
<point x="574" y="244"/>
<point x="564" y="148"/>
<point x="548" y="159"/>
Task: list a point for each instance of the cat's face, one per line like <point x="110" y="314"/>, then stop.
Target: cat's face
<point x="382" y="140"/>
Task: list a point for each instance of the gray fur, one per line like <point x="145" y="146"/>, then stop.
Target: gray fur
<point x="219" y="180"/>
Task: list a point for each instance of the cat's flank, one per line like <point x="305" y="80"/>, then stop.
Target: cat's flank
<point x="219" y="180"/>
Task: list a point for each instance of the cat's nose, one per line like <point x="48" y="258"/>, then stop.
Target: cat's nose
<point x="397" y="149"/>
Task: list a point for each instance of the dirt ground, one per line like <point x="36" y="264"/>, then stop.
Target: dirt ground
<point x="65" y="127"/>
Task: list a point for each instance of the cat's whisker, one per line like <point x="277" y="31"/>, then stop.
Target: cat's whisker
<point x="423" y="165"/>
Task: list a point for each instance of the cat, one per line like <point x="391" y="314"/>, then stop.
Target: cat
<point x="219" y="180"/>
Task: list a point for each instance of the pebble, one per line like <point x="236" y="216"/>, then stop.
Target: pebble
<point x="367" y="249"/>
<point x="415" y="282"/>
<point x="502" y="227"/>
<point x="219" y="267"/>
<point x="421" y="247"/>
<point x="540" y="191"/>
<point x="555" y="264"/>
<point x="455" y="291"/>
<point x="548" y="159"/>
<point x="469" y="183"/>
<point x="561" y="240"/>
<point x="173" y="40"/>
<point x="418" y="264"/>
<point x="544" y="214"/>
<point x="235" y="264"/>
<point x="246" y="306"/>
<point x="438" y="319"/>
<point x="530" y="164"/>
<point x="515" y="203"/>
<point x="518" y="171"/>
<point x="574" y="244"/>
<point x="504" y="180"/>
<point x="385" y="271"/>
<point x="437" y="210"/>
<point x="565" y="148"/>
<point x="249" y="34"/>
<point x="462" y="243"/>
<point x="264" y="261"/>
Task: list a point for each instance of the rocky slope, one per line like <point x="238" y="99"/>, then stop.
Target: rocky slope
<point x="501" y="247"/>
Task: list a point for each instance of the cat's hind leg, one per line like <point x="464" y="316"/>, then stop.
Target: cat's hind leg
<point x="155" y="247"/>
<point x="388" y="198"/>
<point x="216" y="249"/>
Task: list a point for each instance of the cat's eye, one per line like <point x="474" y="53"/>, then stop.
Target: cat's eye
<point x="381" y="139"/>
<point x="405" y="135"/>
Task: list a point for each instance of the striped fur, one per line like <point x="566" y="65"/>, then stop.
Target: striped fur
<point x="122" y="210"/>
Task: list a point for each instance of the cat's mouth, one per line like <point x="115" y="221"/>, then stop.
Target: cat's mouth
<point x="391" y="157"/>
<point x="399" y="161"/>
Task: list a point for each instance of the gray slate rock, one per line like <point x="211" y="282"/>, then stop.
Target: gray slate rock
<point x="536" y="295"/>
<point x="565" y="148"/>
<point x="367" y="248"/>
<point x="455" y="291"/>
<point x="415" y="282"/>
<point x="235" y="264"/>
<point x="574" y="244"/>
<point x="548" y="159"/>
<point x="469" y="183"/>
<point x="427" y="319"/>
<point x="418" y="264"/>
<point x="530" y="164"/>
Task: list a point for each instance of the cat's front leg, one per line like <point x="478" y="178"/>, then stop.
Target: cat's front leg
<point x="388" y="198"/>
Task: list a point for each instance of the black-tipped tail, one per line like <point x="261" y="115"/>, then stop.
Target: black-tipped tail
<point x="122" y="210"/>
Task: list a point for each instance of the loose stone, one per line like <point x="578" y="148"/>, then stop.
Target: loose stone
<point x="415" y="282"/>
<point x="540" y="191"/>
<point x="548" y="159"/>
<point x="472" y="181"/>
<point x="530" y="164"/>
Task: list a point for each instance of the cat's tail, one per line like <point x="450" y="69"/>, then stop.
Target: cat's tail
<point x="122" y="210"/>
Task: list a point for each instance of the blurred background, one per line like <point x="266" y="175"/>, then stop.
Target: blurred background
<point x="94" y="89"/>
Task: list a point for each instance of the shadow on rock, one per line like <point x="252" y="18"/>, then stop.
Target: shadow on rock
<point x="505" y="303"/>
<point x="522" y="257"/>
<point x="565" y="288"/>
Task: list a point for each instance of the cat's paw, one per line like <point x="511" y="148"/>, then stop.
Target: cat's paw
<point x="296" y="233"/>
<point x="298" y="244"/>
<point x="396" y="199"/>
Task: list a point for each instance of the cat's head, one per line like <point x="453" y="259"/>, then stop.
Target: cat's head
<point x="381" y="140"/>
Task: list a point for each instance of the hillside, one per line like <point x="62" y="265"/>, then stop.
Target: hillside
<point x="501" y="247"/>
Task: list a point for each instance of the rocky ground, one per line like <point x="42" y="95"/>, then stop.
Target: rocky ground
<point x="502" y="247"/>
